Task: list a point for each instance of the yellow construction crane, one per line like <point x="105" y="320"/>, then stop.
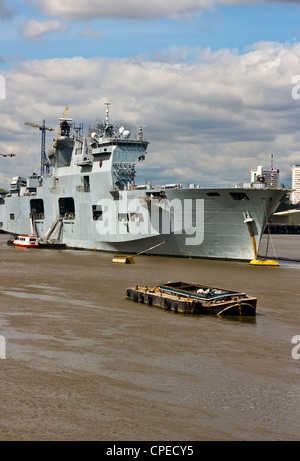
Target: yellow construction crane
<point x="43" y="129"/>
<point x="7" y="155"/>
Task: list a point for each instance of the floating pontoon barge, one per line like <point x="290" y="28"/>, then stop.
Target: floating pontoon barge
<point x="190" y="298"/>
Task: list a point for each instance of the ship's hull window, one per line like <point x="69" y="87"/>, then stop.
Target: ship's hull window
<point x="239" y="196"/>
<point x="97" y="212"/>
<point x="37" y="208"/>
<point x="86" y="183"/>
<point x="123" y="217"/>
<point x="66" y="207"/>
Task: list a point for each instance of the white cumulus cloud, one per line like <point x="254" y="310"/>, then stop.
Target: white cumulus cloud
<point x="88" y="31"/>
<point x="130" y="9"/>
<point x="5" y="12"/>
<point x="133" y="9"/>
<point x="209" y="122"/>
<point x="34" y="29"/>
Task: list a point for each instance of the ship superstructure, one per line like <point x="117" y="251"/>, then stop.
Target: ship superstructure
<point x="90" y="200"/>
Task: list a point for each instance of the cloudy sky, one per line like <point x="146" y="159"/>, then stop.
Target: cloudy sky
<point x="215" y="84"/>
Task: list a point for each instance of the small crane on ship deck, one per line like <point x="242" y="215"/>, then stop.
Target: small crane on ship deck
<point x="44" y="159"/>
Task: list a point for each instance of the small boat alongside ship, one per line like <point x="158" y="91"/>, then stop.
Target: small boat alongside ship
<point x="32" y="241"/>
<point x="192" y="298"/>
<point x="26" y="241"/>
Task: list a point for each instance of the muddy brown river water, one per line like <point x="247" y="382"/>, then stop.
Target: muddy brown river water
<point x="83" y="363"/>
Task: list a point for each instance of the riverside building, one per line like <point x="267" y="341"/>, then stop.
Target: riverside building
<point x="295" y="196"/>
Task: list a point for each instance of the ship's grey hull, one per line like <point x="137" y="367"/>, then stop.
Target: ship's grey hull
<point x="220" y="233"/>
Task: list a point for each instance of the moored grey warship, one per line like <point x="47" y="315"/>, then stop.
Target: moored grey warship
<point x="88" y="198"/>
